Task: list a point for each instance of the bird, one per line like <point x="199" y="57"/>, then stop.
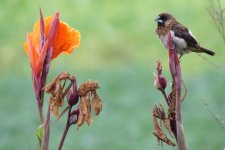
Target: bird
<point x="182" y="38"/>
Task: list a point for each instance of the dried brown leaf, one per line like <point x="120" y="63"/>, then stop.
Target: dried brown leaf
<point x="166" y="123"/>
<point x="157" y="129"/>
<point x="159" y="112"/>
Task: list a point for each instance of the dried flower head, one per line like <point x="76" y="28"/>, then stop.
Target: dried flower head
<point x="87" y="87"/>
<point x="56" y="90"/>
<point x="86" y="91"/>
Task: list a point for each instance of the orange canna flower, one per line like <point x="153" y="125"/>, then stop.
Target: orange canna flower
<point x="67" y="38"/>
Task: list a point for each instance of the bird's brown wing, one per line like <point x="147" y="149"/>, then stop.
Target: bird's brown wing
<point x="183" y="32"/>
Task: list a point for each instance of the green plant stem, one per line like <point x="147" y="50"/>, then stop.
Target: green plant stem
<point x="65" y="130"/>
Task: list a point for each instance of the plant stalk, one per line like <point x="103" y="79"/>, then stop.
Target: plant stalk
<point x="175" y="71"/>
<point x="65" y="130"/>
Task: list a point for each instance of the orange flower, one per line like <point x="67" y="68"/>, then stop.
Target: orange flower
<point x="66" y="40"/>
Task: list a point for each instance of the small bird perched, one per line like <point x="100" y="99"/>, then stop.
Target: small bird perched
<point x="182" y="37"/>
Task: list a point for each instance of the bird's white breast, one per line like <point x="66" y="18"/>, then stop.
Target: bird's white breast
<point x="178" y="43"/>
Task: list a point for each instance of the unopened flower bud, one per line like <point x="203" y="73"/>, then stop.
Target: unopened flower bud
<point x="160" y="82"/>
<point x="72" y="96"/>
<point x="74" y="116"/>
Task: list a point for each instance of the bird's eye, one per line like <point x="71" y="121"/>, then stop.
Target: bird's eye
<point x="164" y="18"/>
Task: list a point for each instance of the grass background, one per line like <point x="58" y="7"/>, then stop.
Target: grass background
<point x="119" y="49"/>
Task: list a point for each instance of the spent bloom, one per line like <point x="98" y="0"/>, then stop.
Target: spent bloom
<point x="89" y="99"/>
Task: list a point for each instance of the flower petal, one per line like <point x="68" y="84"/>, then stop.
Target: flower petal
<point x="67" y="39"/>
<point x="29" y="50"/>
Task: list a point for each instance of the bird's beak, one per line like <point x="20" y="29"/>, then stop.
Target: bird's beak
<point x="159" y="20"/>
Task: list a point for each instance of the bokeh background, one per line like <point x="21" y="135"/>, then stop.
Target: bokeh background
<point x="118" y="48"/>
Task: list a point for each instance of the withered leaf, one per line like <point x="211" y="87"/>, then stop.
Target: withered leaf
<point x="166" y="123"/>
<point x="157" y="129"/>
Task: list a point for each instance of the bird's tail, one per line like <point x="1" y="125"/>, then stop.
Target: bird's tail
<point x="209" y="52"/>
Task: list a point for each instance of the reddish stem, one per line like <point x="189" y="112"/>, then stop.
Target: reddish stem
<point x="175" y="70"/>
<point x="36" y="86"/>
<point x="65" y="130"/>
<point x="46" y="131"/>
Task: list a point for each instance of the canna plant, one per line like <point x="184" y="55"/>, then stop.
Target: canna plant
<point x="173" y="120"/>
<point x="50" y="38"/>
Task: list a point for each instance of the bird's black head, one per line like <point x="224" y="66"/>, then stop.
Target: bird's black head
<point x="163" y="18"/>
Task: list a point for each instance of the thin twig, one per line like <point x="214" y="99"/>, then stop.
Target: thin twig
<point x="165" y="96"/>
<point x="221" y="16"/>
<point x="217" y="16"/>
<point x="214" y="116"/>
<point x="212" y="63"/>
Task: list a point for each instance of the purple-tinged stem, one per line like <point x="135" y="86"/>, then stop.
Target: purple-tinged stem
<point x="180" y="134"/>
<point x="65" y="130"/>
<point x="36" y="85"/>
<point x="175" y="70"/>
<point x="165" y="96"/>
<point x="46" y="131"/>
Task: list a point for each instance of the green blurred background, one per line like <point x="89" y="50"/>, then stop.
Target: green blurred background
<point x="118" y="48"/>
